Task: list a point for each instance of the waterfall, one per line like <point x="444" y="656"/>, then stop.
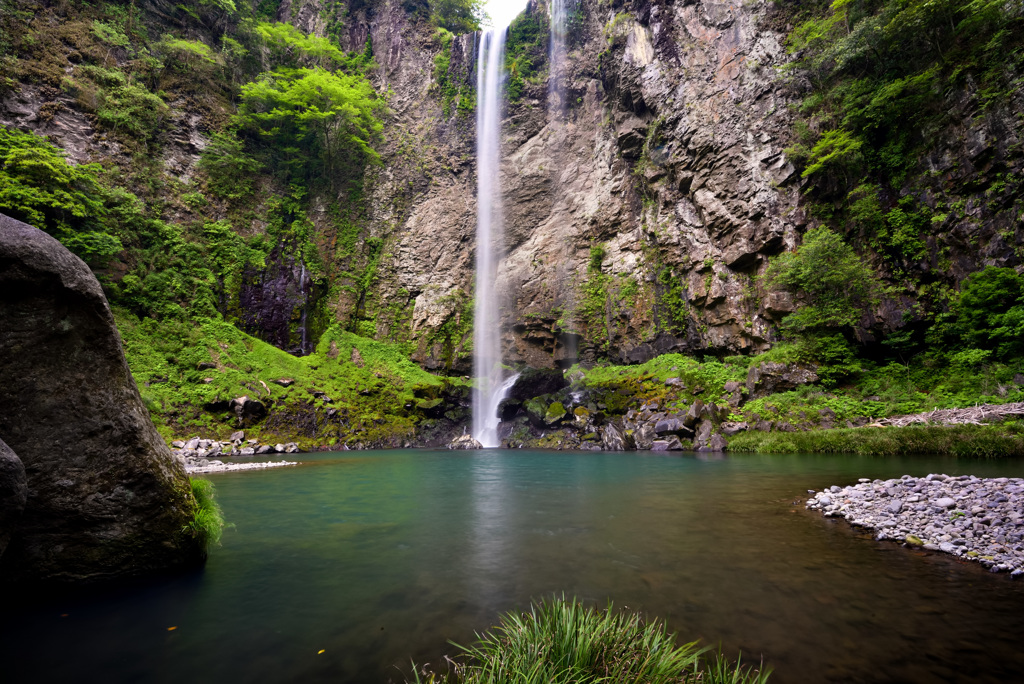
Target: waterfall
<point x="486" y="334"/>
<point x="559" y="10"/>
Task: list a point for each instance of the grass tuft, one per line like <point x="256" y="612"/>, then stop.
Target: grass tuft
<point x="561" y="640"/>
<point x="207" y="525"/>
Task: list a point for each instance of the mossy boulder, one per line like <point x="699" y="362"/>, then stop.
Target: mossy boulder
<point x="555" y="413"/>
<point x="106" y="498"/>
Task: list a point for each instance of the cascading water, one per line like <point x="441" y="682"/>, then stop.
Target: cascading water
<point x="559" y="10"/>
<point x="486" y="341"/>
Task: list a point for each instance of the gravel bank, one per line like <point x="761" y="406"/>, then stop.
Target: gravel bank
<point x="221" y="467"/>
<point x="978" y="519"/>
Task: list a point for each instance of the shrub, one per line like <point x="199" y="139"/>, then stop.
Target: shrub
<point x="837" y="284"/>
<point x="458" y="16"/>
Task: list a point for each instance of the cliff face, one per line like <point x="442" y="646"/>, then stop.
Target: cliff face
<point x="641" y="221"/>
<point x="668" y="162"/>
<point x="638" y="218"/>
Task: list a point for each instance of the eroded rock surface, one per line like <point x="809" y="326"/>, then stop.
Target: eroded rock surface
<point x="13" y="493"/>
<point x="105" y="497"/>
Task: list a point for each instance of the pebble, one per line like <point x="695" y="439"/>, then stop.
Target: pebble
<point x="976" y="519"/>
<point x="197" y="454"/>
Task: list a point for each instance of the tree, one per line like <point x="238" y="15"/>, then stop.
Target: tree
<point x="989" y="312"/>
<point x="458" y="16"/>
<point x="332" y="115"/>
<point x="40" y="187"/>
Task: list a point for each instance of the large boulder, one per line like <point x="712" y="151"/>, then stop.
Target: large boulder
<point x="771" y="377"/>
<point x="13" y="493"/>
<point x="105" y="496"/>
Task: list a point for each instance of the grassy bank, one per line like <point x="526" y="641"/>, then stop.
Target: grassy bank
<point x="560" y="641"/>
<point x="349" y="389"/>
<point x="962" y="441"/>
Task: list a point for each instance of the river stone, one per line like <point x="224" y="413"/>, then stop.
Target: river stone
<point x="13" y="493"/>
<point x="105" y="496"/>
<point x="945" y="502"/>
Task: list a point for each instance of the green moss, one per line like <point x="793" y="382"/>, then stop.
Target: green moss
<point x="165" y="357"/>
<point x="555" y="413"/>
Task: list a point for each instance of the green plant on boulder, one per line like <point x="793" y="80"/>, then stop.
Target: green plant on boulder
<point x="207" y="524"/>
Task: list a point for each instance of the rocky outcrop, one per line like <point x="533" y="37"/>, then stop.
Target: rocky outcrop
<point x="13" y="493"/>
<point x="105" y="497"/>
<point x="771" y="377"/>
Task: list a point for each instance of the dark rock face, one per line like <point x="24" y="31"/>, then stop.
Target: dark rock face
<point x="105" y="497"/>
<point x="13" y="493"/>
<point x="278" y="304"/>
<point x="534" y="382"/>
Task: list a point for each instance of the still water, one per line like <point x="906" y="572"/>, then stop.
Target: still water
<point x="376" y="558"/>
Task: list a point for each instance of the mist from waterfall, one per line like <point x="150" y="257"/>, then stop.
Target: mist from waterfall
<point x="489" y="238"/>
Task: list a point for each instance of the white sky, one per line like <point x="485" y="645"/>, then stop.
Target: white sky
<point x="502" y="12"/>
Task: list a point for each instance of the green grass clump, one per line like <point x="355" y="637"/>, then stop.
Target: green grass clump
<point x="207" y="524"/>
<point x="564" y="641"/>
<point x="962" y="441"/>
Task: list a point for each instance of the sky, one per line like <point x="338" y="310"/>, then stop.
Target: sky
<point x="502" y="12"/>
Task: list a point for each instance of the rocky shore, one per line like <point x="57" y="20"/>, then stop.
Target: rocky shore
<point x="201" y="455"/>
<point x="972" y="518"/>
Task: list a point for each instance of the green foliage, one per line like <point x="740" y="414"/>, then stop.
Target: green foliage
<point x="317" y="122"/>
<point x="38" y="186"/>
<point x="453" y="87"/>
<point x="881" y="71"/>
<point x="838" y="286"/>
<point x="290" y="46"/>
<point x="834" y="150"/>
<point x="207" y="524"/>
<point x="961" y="441"/>
<point x="121" y="103"/>
<point x="560" y="641"/>
<point x="109" y="34"/>
<point x="458" y="16"/>
<point x="594" y="299"/>
<point x="988" y="314"/>
<point x="524" y="53"/>
<point x="230" y="170"/>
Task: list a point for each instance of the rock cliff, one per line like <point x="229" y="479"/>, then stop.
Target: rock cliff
<point x="640" y="211"/>
<point x="105" y="498"/>
<point x="668" y="163"/>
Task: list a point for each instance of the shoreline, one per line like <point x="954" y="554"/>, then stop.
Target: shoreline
<point x="221" y="467"/>
<point x="970" y="518"/>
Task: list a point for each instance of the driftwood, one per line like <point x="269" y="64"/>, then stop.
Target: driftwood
<point x="974" y="415"/>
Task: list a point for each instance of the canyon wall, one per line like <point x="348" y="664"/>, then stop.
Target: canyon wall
<point x="639" y="219"/>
